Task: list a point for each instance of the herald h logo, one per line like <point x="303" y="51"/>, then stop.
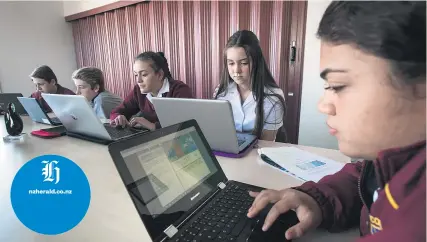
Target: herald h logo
<point x="51" y="172"/>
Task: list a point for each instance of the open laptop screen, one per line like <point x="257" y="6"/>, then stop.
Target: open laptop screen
<point x="6" y="98"/>
<point x="169" y="176"/>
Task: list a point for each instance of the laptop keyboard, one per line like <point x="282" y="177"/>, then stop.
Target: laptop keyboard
<point x="55" y="120"/>
<point x="116" y="133"/>
<point x="240" y="141"/>
<point x="223" y="220"/>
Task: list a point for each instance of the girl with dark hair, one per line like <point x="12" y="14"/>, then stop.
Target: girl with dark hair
<point x="373" y="61"/>
<point x="257" y="101"/>
<point x="153" y="80"/>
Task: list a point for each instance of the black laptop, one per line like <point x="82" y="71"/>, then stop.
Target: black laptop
<point x="6" y="98"/>
<point x="180" y="191"/>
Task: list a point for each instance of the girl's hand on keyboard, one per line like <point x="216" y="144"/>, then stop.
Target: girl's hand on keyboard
<point x="119" y="121"/>
<point x="308" y="211"/>
<point x="136" y="121"/>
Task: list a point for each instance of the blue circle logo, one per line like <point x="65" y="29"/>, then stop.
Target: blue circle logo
<point x="50" y="194"/>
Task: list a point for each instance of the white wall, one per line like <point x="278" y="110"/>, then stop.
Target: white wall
<point x="73" y="7"/>
<point x="313" y="130"/>
<point x="33" y="34"/>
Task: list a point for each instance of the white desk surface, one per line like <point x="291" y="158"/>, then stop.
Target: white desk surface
<point x="111" y="216"/>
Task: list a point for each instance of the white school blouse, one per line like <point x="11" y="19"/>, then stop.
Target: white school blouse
<point x="244" y="114"/>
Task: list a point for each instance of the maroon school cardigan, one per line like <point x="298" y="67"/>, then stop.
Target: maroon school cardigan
<point x="60" y="90"/>
<point x="137" y="103"/>
<point x="398" y="213"/>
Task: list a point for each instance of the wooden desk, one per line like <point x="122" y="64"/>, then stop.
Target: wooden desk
<point x="111" y="216"/>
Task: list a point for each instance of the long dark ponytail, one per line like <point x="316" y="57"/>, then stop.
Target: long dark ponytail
<point x="159" y="62"/>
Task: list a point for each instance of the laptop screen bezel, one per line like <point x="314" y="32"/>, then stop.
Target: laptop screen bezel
<point x="115" y="149"/>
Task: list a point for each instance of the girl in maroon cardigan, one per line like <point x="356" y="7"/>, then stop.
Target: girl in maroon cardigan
<point x="153" y="80"/>
<point x="373" y="61"/>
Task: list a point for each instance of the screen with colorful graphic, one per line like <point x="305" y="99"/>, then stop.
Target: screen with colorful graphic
<point x="165" y="170"/>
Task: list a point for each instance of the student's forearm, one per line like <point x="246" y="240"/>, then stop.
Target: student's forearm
<point x="268" y="135"/>
<point x="127" y="108"/>
<point x="122" y="110"/>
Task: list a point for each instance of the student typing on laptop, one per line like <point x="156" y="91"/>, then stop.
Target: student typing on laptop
<point x="89" y="83"/>
<point x="153" y="80"/>
<point x="46" y="82"/>
<point x="181" y="192"/>
<point x="257" y="101"/>
<point x="373" y="61"/>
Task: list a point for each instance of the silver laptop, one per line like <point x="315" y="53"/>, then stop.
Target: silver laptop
<point x="215" y="118"/>
<point x="80" y="120"/>
<point x="37" y="114"/>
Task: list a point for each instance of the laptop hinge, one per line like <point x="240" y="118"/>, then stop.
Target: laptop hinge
<point x="171" y="231"/>
<point x="221" y="185"/>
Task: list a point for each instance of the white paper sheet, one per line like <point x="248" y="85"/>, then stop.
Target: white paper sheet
<point x="302" y="164"/>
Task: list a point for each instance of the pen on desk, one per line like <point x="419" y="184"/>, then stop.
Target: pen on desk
<point x="269" y="161"/>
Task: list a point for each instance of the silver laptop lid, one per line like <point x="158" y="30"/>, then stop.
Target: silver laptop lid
<point x="215" y="118"/>
<point x="33" y="109"/>
<point x="76" y="114"/>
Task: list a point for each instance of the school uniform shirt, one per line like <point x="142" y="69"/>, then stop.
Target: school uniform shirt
<point x="244" y="114"/>
<point x="140" y="103"/>
<point x="104" y="103"/>
<point x="59" y="90"/>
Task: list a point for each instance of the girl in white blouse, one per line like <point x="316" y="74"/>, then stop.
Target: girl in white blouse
<point x="257" y="101"/>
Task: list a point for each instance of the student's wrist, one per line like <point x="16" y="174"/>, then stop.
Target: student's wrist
<point x="152" y="126"/>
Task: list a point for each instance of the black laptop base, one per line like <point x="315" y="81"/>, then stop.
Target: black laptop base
<point x="89" y="138"/>
<point x="225" y="219"/>
<point x="98" y="140"/>
<point x="55" y="121"/>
